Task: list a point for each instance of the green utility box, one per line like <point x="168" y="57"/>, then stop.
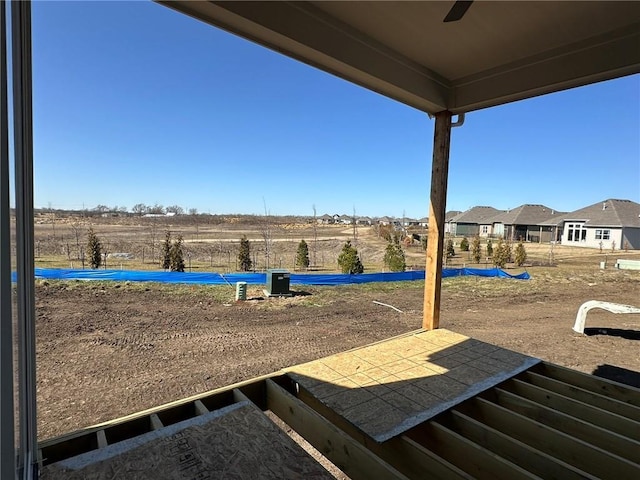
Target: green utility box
<point x="278" y="283"/>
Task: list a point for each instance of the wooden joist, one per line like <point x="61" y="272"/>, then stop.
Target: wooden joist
<point x="402" y="452"/>
<point x="597" y="416"/>
<point x="467" y="455"/>
<point x="617" y="391"/>
<point x="350" y="456"/>
<point x="547" y="422"/>
<point x="577" y="427"/>
<point x="556" y="443"/>
<point x="534" y="460"/>
<point x="586" y="396"/>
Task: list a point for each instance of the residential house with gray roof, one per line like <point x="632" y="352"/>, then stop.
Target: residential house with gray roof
<point x="472" y="222"/>
<point x="611" y="224"/>
<point x="524" y="223"/>
<point x="325" y="219"/>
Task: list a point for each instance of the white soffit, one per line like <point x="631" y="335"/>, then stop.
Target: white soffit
<point x="498" y="52"/>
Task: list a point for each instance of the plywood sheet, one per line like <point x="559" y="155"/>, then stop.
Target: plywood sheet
<point x="387" y="388"/>
<point x="237" y="442"/>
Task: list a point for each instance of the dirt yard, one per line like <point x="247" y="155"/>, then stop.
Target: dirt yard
<point x="105" y="350"/>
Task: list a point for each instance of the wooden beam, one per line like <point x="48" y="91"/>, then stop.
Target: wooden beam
<point x="583" y="455"/>
<point x="575" y="408"/>
<point x="535" y="461"/>
<point x="350" y="456"/>
<point x="468" y="455"/>
<point x="102" y="439"/>
<point x="586" y="396"/>
<point x="437" y="209"/>
<point x="576" y="427"/>
<point x="603" y="386"/>
<point x="403" y="453"/>
<point x="200" y="408"/>
<point x="156" y="423"/>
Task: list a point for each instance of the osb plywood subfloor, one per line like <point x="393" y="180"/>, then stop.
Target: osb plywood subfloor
<point x="236" y="442"/>
<point x="387" y="388"/>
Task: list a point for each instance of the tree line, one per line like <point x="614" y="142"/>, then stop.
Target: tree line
<point x="500" y="255"/>
<point x="172" y="256"/>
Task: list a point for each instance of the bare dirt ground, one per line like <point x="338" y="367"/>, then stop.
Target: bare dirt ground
<point x="105" y="350"/>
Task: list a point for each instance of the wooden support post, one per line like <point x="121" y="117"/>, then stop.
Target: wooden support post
<point x="437" y="208"/>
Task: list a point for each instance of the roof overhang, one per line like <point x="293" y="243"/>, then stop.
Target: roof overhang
<point x="499" y="52"/>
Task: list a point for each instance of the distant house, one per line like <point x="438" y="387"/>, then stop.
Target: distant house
<point x="363" y="221"/>
<point x="611" y="224"/>
<point x="447" y="219"/>
<point x="345" y="219"/>
<point x="551" y="228"/>
<point x="524" y="223"/>
<point x="385" y="221"/>
<point x="472" y="222"/>
<point x="325" y="219"/>
<point x="424" y="222"/>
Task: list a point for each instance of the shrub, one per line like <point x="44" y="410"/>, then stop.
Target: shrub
<point x="166" y="251"/>
<point x="94" y="249"/>
<point x="501" y="254"/>
<point x="489" y="249"/>
<point x="476" y="249"/>
<point x="450" y="252"/>
<point x="394" y="258"/>
<point x="521" y="254"/>
<point x="302" y="256"/>
<point x="464" y="245"/>
<point x="348" y="259"/>
<point x="176" y="263"/>
<point x="244" y="255"/>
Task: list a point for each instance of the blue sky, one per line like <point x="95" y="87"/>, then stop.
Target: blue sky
<point x="135" y="103"/>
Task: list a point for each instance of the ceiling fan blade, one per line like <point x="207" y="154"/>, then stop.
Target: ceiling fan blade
<point x="458" y="10"/>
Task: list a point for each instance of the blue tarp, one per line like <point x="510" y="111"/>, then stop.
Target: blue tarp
<point x="258" y="278"/>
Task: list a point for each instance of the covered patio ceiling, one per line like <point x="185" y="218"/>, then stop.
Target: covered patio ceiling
<point x="498" y="52"/>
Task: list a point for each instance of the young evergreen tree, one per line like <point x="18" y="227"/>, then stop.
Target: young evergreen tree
<point x="244" y="255"/>
<point x="507" y="251"/>
<point x="521" y="254"/>
<point x="166" y="251"/>
<point x="94" y="249"/>
<point x="464" y="245"/>
<point x="501" y="254"/>
<point x="176" y="257"/>
<point x="394" y="258"/>
<point x="476" y="249"/>
<point x="348" y="260"/>
<point x="489" y="249"/>
<point x="449" y="251"/>
<point x="302" y="256"/>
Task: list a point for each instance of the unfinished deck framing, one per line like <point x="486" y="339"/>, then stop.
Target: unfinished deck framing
<point x="546" y="421"/>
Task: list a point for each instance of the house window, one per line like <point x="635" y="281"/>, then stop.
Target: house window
<point x="603" y="234"/>
<point x="485" y="229"/>
<point x="576" y="232"/>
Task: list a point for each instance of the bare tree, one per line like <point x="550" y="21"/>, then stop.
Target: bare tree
<point x="139" y="208"/>
<point x="76" y="227"/>
<point x="355" y="226"/>
<point x="156" y="209"/>
<point x="265" y="230"/>
<point x="178" y="210"/>
<point x="153" y="235"/>
<point x="315" y="236"/>
<point x="52" y="215"/>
